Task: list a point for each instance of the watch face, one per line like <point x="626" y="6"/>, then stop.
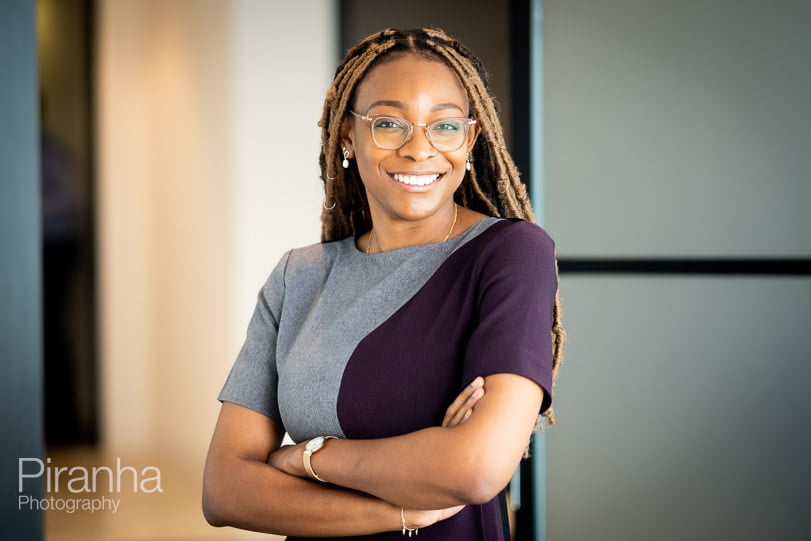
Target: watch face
<point x="314" y="443"/>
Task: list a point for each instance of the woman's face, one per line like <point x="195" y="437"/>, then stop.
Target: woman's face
<point x="415" y="181"/>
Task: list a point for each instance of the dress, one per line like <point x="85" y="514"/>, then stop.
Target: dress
<point x="368" y="346"/>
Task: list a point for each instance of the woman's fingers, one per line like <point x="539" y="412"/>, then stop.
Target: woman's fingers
<point x="466" y="410"/>
<point x="462" y="406"/>
<point x="451" y="511"/>
<point x="424" y="518"/>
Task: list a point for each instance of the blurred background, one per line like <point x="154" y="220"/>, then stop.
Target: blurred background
<point x="157" y="157"/>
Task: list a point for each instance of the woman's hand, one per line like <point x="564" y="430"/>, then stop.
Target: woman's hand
<point x="462" y="407"/>
<point x="289" y="459"/>
<point x="420" y="518"/>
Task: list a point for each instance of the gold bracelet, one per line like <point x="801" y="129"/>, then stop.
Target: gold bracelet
<point x="415" y="531"/>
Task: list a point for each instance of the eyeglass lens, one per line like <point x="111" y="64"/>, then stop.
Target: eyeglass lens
<point x="446" y="134"/>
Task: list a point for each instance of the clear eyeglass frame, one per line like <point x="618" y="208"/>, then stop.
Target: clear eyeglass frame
<point x="465" y="121"/>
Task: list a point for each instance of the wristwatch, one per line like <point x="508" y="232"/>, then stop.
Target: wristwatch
<point x="310" y="448"/>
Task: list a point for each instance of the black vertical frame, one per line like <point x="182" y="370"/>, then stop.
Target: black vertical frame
<point x="70" y="354"/>
<point x="520" y="79"/>
<point x="89" y="428"/>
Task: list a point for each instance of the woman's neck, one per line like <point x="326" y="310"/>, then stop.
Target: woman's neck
<point x="388" y="234"/>
<point x="391" y="234"/>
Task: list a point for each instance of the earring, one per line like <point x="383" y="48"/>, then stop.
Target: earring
<point x="467" y="162"/>
<point x="345" y="163"/>
<point x="324" y="201"/>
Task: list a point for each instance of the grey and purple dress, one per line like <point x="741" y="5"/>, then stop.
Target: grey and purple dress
<point x="370" y="346"/>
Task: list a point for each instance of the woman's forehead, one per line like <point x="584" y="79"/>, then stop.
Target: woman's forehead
<point x="410" y="81"/>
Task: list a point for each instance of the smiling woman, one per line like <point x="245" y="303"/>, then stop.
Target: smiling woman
<point x="410" y="175"/>
<point x="411" y="351"/>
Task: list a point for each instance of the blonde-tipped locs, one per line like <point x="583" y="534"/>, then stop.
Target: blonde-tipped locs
<point x="492" y="186"/>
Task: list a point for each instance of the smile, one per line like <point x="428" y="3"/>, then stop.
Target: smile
<point x="415" y="180"/>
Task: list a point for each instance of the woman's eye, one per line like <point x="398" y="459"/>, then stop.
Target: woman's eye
<point x="446" y="126"/>
<point x="388" y="125"/>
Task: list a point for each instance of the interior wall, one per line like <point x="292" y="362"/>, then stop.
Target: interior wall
<point x="681" y="410"/>
<point x="691" y="117"/>
<point x="20" y="291"/>
<point x="281" y="77"/>
<point x="207" y="170"/>
<point x="676" y="130"/>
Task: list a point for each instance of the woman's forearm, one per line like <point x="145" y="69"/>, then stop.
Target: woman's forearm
<point x="240" y="489"/>
<point x="424" y="469"/>
<point x="252" y="495"/>
<point x="438" y="467"/>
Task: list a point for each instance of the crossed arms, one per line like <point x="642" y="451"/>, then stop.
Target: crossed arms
<point x="254" y="483"/>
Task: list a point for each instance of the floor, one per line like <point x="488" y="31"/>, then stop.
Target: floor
<point x="173" y="515"/>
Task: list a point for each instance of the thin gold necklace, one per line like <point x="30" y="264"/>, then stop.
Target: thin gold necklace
<point x="455" y="215"/>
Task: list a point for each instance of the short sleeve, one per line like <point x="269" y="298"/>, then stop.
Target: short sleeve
<point x="253" y="380"/>
<point x="517" y="284"/>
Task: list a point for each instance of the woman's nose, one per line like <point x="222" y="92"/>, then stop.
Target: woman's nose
<point x="418" y="147"/>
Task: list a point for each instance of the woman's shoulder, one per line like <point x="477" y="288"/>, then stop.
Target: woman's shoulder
<point x="304" y="267"/>
<point x="517" y="252"/>
<point x="514" y="235"/>
<point x="528" y="230"/>
<point x="316" y="257"/>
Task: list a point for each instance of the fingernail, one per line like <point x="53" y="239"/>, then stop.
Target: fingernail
<point x="466" y="415"/>
<point x="477" y="393"/>
<point x="478" y="381"/>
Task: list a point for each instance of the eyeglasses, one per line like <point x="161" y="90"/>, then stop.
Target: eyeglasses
<point x="391" y="132"/>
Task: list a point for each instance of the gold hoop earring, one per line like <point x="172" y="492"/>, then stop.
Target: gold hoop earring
<point x="324" y="201"/>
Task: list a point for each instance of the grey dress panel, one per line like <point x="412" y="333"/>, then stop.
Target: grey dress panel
<point x="316" y="306"/>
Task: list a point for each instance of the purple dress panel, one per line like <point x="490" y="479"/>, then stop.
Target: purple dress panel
<point x="486" y="310"/>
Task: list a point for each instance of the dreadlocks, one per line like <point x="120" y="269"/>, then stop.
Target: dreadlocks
<point x="492" y="186"/>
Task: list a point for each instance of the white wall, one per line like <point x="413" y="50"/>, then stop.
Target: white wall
<point x="207" y="173"/>
<point x="283" y="60"/>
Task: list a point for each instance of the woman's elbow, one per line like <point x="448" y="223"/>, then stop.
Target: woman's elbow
<point x="214" y="505"/>
<point x="212" y="517"/>
<point x="479" y="481"/>
<point x="211" y="510"/>
<point x="481" y="489"/>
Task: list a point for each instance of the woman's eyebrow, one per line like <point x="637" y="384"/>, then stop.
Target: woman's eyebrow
<point x="443" y="106"/>
<point x="389" y="103"/>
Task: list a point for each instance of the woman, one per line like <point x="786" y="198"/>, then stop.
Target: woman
<point x="420" y="296"/>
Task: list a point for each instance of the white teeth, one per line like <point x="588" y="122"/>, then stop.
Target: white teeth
<point x="415" y="180"/>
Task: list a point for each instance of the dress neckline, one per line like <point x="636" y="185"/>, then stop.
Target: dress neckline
<point x="455" y="241"/>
